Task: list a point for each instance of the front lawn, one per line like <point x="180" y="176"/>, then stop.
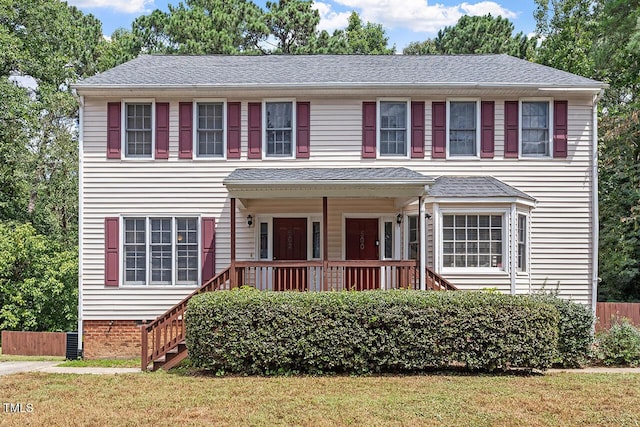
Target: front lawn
<point x="162" y="398"/>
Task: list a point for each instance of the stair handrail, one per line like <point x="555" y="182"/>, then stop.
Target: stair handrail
<point x="438" y="283"/>
<point x="172" y="324"/>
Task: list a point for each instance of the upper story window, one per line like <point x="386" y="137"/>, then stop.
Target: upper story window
<point x="463" y="128"/>
<point x="138" y="135"/>
<point x="535" y="126"/>
<point x="279" y="121"/>
<point x="210" y="119"/>
<point x="393" y="128"/>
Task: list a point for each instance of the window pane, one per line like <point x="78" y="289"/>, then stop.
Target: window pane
<point x="472" y="241"/>
<point x="160" y="250"/>
<point x="134" y="251"/>
<point x="264" y="240"/>
<point x="522" y="243"/>
<point x="187" y="250"/>
<point x="279" y="128"/>
<point x="393" y="128"/>
<point x="535" y="128"/>
<point x="316" y="239"/>
<point x="413" y="241"/>
<point x="210" y="129"/>
<point x="462" y="129"/>
<point x="138" y="130"/>
<point x="388" y="240"/>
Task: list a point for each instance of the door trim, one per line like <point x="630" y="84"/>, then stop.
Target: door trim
<point x="268" y="218"/>
<point x="382" y="218"/>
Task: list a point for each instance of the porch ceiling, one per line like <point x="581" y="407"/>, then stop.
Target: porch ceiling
<point x="265" y="183"/>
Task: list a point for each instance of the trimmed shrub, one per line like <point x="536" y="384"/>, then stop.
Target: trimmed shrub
<point x="252" y="332"/>
<point x="620" y="345"/>
<point x="575" y="330"/>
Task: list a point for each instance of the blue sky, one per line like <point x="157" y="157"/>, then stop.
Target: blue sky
<point x="404" y="20"/>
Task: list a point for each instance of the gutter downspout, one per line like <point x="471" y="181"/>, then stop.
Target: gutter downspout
<point x="80" y="218"/>
<point x="594" y="200"/>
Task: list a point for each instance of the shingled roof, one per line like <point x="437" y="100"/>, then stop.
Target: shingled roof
<point x="475" y="71"/>
<point x="325" y="175"/>
<point x="474" y="187"/>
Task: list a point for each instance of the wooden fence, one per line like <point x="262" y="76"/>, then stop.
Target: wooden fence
<point x="608" y="312"/>
<point x="34" y="343"/>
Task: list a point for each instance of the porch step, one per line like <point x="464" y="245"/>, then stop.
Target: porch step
<point x="172" y="358"/>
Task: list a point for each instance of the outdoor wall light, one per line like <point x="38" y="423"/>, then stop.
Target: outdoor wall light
<point x="249" y="220"/>
<point x="399" y="219"/>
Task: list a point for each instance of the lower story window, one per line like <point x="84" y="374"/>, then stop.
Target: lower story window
<point x="160" y="251"/>
<point x="522" y="242"/>
<point x="472" y="241"/>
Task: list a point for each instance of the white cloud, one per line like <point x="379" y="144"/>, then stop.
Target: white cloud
<point x="418" y="15"/>
<point x="330" y="20"/>
<point x="125" y="6"/>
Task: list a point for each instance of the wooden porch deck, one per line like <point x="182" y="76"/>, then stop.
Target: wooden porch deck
<point x="163" y="339"/>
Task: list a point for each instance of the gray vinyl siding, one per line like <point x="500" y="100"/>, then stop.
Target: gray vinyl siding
<point x="561" y="222"/>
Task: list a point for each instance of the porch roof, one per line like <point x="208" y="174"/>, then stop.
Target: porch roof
<point x="331" y="182"/>
<point x="480" y="188"/>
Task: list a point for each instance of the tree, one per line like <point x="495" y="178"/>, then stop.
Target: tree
<point x="368" y="39"/>
<point x="615" y="54"/>
<point x="477" y="34"/>
<point x="38" y="281"/>
<point x="294" y="24"/>
<point x="198" y="27"/>
<point x="567" y="28"/>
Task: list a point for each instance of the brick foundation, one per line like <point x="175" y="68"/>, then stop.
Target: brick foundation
<point x="114" y="339"/>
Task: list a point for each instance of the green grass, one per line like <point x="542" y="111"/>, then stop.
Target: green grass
<point x="167" y="399"/>
<point x="102" y="363"/>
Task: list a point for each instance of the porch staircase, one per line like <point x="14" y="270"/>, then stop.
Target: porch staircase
<point x="163" y="340"/>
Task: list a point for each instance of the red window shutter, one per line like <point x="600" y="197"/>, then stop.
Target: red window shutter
<point x="208" y="248"/>
<point x="303" y="129"/>
<point x="560" y="118"/>
<point x="255" y="130"/>
<point x="185" y="136"/>
<point x="111" y="248"/>
<point x="417" y="130"/>
<point x="487" y="119"/>
<point x="369" y="130"/>
<point x="162" y="130"/>
<point x="114" y="137"/>
<point x="439" y="130"/>
<point x="233" y="130"/>
<point x="511" y="120"/>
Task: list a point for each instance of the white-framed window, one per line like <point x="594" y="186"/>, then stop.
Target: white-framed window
<point x="473" y="240"/>
<point x="394" y="123"/>
<point x="138" y="137"/>
<point x="522" y="243"/>
<point x="536" y="120"/>
<point x="279" y="128"/>
<point x="463" y="131"/>
<point x="160" y="250"/>
<point x="210" y="130"/>
<point x="413" y="237"/>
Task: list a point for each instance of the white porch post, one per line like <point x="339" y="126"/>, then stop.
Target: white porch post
<point x="423" y="245"/>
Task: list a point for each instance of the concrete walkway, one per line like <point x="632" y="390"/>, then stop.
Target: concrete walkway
<point x="8" y="368"/>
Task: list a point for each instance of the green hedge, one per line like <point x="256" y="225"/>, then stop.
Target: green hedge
<point x="575" y="330"/>
<point x="252" y="332"/>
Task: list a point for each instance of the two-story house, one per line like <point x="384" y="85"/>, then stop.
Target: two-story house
<point x="328" y="173"/>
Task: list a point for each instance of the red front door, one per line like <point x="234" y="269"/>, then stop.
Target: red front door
<point x="289" y="244"/>
<point x="362" y="243"/>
